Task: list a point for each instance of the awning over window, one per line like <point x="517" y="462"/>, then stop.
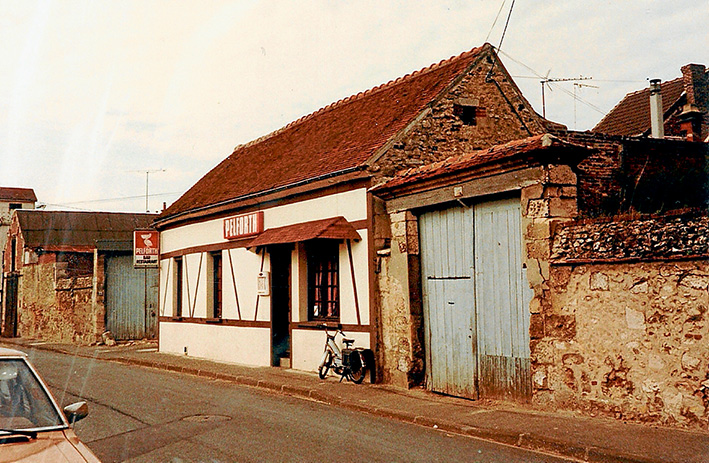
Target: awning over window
<point x="336" y="228"/>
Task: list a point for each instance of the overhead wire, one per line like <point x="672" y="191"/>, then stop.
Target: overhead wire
<point x="496" y="18"/>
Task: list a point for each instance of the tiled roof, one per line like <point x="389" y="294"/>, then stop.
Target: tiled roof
<point x="337" y="228"/>
<point x="49" y="229"/>
<point x="17" y="194"/>
<point x="631" y="116"/>
<point x="336" y="138"/>
<point x="474" y="159"/>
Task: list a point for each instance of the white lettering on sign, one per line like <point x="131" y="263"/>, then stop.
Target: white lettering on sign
<point x="244" y="225"/>
<point x="146" y="248"/>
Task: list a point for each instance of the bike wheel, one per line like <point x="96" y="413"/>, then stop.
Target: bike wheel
<point x="325" y="364"/>
<point x="357" y="368"/>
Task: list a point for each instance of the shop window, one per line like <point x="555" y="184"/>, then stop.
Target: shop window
<point x="177" y="302"/>
<point x="216" y="280"/>
<point x="323" y="280"/>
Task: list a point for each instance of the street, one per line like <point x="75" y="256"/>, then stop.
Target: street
<point x="144" y="415"/>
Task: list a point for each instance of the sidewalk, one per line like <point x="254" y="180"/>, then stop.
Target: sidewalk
<point x="582" y="438"/>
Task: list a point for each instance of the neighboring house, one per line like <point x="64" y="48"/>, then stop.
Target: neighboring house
<point x="10" y="200"/>
<point x="508" y="278"/>
<point x="70" y="277"/>
<point x="284" y="234"/>
<point x="684" y="103"/>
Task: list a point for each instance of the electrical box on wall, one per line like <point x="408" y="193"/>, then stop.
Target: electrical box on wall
<point x="263" y="284"/>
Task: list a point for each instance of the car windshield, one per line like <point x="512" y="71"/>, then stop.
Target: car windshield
<point x="24" y="403"/>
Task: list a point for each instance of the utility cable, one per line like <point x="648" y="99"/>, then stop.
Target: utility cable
<point x="495" y="21"/>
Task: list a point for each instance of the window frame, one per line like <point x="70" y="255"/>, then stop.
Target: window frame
<point x="217" y="296"/>
<point x="177" y="306"/>
<point x="323" y="265"/>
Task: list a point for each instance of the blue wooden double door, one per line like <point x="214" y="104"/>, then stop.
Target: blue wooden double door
<point x="476" y="301"/>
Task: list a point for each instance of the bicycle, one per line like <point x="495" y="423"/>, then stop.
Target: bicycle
<point x="348" y="362"/>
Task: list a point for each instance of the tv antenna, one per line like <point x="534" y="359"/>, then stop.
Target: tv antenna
<point x="147" y="180"/>
<point x="579" y="86"/>
<point x="546" y="80"/>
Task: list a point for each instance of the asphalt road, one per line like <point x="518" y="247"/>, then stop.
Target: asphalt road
<point x="145" y="415"/>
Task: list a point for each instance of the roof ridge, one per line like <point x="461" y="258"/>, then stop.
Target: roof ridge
<point x="359" y="95"/>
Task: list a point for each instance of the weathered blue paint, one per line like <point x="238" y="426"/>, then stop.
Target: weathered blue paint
<point x="131" y="299"/>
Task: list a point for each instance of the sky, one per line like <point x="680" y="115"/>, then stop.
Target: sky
<point x="96" y="97"/>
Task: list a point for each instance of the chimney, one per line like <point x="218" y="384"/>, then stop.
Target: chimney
<point x="693" y="119"/>
<point x="657" y="124"/>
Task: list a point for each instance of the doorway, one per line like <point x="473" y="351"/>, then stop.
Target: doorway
<point x="280" y="256"/>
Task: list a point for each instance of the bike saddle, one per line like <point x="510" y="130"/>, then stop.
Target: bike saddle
<point x="348" y="341"/>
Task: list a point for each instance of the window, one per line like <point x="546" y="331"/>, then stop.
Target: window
<point x="14" y="206"/>
<point x="177" y="305"/>
<point x="216" y="311"/>
<point x="323" y="280"/>
<point x="470" y="115"/>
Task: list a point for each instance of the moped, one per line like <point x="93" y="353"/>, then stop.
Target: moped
<point x="348" y="362"/>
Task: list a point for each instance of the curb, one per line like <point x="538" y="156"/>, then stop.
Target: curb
<point x="525" y="441"/>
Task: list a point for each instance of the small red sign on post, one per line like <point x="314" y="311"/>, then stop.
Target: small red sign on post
<point x="244" y="225"/>
<point x="146" y="248"/>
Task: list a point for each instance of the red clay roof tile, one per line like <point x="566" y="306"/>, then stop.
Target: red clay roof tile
<point x="339" y="137"/>
<point x="631" y="116"/>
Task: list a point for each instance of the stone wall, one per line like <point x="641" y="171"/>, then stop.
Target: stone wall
<point x="505" y="115"/>
<point x="56" y="305"/>
<point x="629" y="335"/>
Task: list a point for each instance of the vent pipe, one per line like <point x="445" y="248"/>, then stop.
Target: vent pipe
<point x="657" y="125"/>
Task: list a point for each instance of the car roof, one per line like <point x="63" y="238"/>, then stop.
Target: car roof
<point x="5" y="352"/>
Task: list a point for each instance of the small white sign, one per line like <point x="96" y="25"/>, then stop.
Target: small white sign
<point x="263" y="287"/>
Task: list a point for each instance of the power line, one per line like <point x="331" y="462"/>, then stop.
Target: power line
<point x="499" y="47"/>
<point x="495" y="21"/>
<point x="154" y="195"/>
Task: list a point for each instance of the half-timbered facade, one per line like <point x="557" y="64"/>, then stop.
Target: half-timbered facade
<point x="284" y="234"/>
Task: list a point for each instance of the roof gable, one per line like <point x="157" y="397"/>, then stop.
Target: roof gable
<point x="49" y="229"/>
<point x="336" y="139"/>
<point x="631" y="116"/>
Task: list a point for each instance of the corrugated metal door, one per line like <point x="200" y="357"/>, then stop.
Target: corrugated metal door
<point x="502" y="301"/>
<point x="449" y="317"/>
<point x="476" y="301"/>
<point x="131" y="299"/>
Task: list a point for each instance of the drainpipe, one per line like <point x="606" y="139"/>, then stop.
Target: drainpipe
<point x="657" y="125"/>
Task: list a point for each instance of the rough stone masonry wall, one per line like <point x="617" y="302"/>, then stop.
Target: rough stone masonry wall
<point x="631" y="299"/>
<point x="56" y="309"/>
<point x="441" y="133"/>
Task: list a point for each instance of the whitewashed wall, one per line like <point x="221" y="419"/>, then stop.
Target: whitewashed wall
<point x="215" y="341"/>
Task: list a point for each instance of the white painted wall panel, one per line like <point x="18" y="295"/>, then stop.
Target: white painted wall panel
<point x="308" y="347"/>
<point x="248" y="346"/>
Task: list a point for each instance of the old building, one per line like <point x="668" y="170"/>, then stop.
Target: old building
<point x="284" y="234"/>
<point x="682" y="105"/>
<point x="10" y="200"/>
<point x="508" y="277"/>
<point x="70" y="277"/>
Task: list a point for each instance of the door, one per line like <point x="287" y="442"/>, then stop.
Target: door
<point x="131" y="299"/>
<point x="476" y="301"/>
<point x="449" y="310"/>
<point x="10" y="323"/>
<point x="280" y="304"/>
<point x="502" y="298"/>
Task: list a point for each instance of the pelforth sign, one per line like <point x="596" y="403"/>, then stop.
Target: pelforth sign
<point x="242" y="226"/>
<point x="146" y="248"/>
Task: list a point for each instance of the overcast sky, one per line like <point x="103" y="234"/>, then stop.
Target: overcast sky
<point x="95" y="93"/>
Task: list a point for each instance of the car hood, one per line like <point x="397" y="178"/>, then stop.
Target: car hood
<point x="48" y="447"/>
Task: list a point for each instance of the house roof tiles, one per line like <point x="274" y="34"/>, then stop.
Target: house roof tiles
<point x="17" y="194"/>
<point x="475" y="159"/>
<point x="631" y="116"/>
<point x="340" y="137"/>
